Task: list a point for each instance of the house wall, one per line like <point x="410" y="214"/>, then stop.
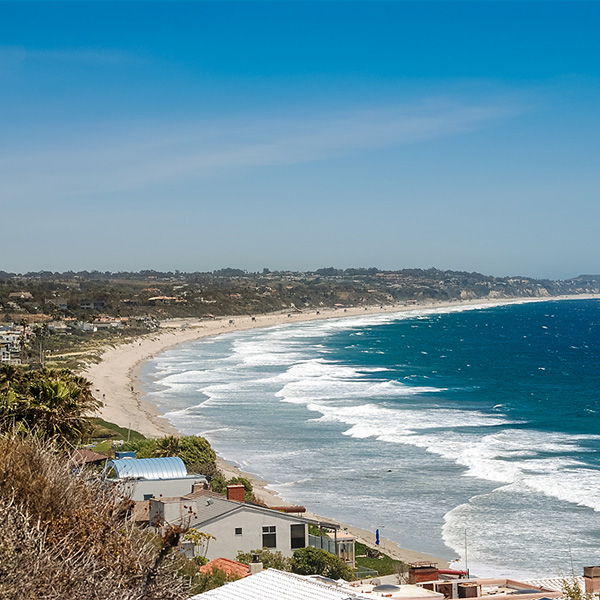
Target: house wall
<point x="140" y="489"/>
<point x="227" y="543"/>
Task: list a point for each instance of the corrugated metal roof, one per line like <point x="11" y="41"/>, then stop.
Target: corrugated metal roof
<point x="171" y="467"/>
<point x="277" y="585"/>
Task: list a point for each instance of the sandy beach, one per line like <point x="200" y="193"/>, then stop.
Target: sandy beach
<point x="115" y="382"/>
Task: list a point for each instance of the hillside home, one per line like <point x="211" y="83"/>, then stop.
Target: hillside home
<point x="10" y="346"/>
<point x="144" y="478"/>
<point x="92" y="305"/>
<point x="236" y="525"/>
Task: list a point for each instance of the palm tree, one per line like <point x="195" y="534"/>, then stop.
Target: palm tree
<point x="51" y="403"/>
<point x="59" y="408"/>
<point x="169" y="445"/>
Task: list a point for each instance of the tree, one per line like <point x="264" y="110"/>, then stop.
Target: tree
<point x="573" y="591"/>
<point x="315" y="561"/>
<point x="51" y="403"/>
<point x="41" y="332"/>
<point x="214" y="579"/>
<point x="169" y="445"/>
<point x="192" y="449"/>
<point x="270" y="560"/>
<point x="199" y="538"/>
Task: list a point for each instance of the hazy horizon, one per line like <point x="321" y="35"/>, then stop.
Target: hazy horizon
<point x="293" y="135"/>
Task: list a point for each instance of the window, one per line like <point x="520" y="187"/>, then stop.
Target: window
<point x="298" y="536"/>
<point x="269" y="537"/>
<point x="148" y="496"/>
<point x="238" y="531"/>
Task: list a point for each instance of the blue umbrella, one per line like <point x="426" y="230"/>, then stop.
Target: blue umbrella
<point x="377" y="537"/>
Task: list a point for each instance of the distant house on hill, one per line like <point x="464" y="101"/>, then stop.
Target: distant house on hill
<point x="92" y="305"/>
<point x="21" y="295"/>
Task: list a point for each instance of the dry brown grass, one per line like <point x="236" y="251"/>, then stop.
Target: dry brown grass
<point x="65" y="538"/>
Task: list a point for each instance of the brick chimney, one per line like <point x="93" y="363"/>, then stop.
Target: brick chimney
<point x="236" y="492"/>
<point x="591" y="576"/>
<point x="420" y="572"/>
<point x="199" y="486"/>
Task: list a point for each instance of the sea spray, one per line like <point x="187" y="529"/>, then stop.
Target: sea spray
<point x="428" y="424"/>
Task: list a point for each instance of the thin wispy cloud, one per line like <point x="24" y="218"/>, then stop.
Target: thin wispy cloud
<point x="135" y="157"/>
<point x="14" y="56"/>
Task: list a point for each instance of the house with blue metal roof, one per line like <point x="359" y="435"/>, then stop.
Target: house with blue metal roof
<point x="145" y="478"/>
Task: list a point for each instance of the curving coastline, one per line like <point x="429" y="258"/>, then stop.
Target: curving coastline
<point x="115" y="380"/>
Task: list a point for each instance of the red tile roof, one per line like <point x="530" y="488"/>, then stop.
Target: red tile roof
<point x="230" y="567"/>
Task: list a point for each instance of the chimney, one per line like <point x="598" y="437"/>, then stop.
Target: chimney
<point x="255" y="566"/>
<point x="591" y="576"/>
<point x="236" y="492"/>
<point x="199" y="486"/>
<point x="420" y="572"/>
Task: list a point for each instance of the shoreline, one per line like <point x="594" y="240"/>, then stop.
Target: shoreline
<point x="116" y="381"/>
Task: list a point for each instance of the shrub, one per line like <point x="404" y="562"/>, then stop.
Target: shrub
<point x="192" y="449"/>
<point x="315" y="561"/>
<point x="65" y="537"/>
<point x="270" y="560"/>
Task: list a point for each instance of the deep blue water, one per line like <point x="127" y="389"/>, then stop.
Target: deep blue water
<point x="440" y="426"/>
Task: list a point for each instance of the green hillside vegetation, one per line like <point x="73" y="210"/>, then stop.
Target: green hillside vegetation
<point x="137" y="302"/>
<point x="162" y="295"/>
<point x="304" y="561"/>
<point x="193" y="449"/>
<point x="47" y="403"/>
<point x="383" y="564"/>
<point x="104" y="430"/>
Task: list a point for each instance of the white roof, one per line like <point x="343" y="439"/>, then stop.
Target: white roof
<point x="277" y="585"/>
<point x="556" y="583"/>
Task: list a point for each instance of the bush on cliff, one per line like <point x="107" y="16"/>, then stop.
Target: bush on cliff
<point x="315" y="561"/>
<point x="192" y="449"/>
<point x="65" y="537"/>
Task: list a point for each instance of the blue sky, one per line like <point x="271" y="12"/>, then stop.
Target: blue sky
<point x="296" y="135"/>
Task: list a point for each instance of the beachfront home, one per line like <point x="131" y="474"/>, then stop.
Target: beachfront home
<point x="237" y="525"/>
<point x="144" y="478"/>
<point x="486" y="587"/>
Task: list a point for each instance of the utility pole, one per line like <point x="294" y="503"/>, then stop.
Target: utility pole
<point x="466" y="553"/>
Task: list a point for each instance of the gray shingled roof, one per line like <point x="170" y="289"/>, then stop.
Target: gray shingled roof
<point x="211" y="508"/>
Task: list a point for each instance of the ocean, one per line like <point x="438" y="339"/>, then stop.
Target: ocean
<point x="465" y="432"/>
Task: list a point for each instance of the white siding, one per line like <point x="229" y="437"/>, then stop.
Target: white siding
<point x="228" y="544"/>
